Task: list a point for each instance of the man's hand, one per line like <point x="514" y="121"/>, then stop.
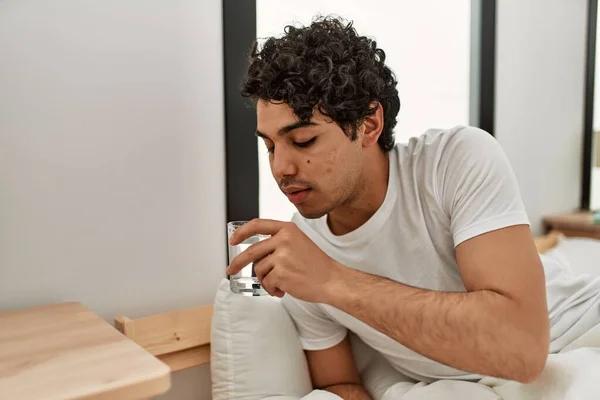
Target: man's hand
<point x="289" y="261"/>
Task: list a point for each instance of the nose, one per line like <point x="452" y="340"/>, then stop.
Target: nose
<point x="283" y="163"/>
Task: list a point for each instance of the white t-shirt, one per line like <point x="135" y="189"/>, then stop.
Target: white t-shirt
<point x="445" y="187"/>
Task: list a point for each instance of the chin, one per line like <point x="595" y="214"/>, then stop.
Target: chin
<point x="310" y="213"/>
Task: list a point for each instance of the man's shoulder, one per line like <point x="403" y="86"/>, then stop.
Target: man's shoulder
<point x="434" y="138"/>
<point x="436" y="147"/>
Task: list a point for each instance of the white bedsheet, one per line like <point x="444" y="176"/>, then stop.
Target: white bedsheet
<point x="572" y="374"/>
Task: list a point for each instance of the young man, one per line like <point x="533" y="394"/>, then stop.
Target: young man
<point x="422" y="249"/>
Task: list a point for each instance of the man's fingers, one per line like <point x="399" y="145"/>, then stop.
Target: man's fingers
<point x="263" y="267"/>
<point x="262" y="270"/>
<point x="255" y="227"/>
<point x="269" y="283"/>
<point x="253" y="253"/>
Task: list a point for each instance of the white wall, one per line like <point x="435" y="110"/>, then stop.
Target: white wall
<point x="539" y="99"/>
<point x="112" y="157"/>
<point x="427" y="45"/>
<point x="595" y="189"/>
<point x="596" y="123"/>
<point x="595" y="181"/>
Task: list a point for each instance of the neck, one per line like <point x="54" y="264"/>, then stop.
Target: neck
<point x="369" y="196"/>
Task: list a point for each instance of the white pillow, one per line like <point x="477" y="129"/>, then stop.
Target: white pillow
<point x="255" y="349"/>
<point x="256" y="353"/>
<point x="581" y="254"/>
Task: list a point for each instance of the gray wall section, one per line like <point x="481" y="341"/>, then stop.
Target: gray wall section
<point x="540" y="99"/>
<point x="112" y="158"/>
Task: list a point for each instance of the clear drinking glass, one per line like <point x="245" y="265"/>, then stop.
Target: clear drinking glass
<point x="244" y="282"/>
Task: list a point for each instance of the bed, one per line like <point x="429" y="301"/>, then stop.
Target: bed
<point x="255" y="353"/>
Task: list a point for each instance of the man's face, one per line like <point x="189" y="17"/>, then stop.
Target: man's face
<point x="315" y="164"/>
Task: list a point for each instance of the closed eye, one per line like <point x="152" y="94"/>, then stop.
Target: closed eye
<point x="305" y="144"/>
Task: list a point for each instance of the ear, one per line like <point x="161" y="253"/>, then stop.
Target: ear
<point x="372" y="126"/>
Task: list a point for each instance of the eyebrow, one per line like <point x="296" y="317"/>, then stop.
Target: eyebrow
<point x="288" y="128"/>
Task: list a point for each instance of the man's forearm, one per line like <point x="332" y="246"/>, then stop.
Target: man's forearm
<point x="350" y="392"/>
<point x="478" y="332"/>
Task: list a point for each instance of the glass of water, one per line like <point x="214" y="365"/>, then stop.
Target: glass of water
<point x="244" y="282"/>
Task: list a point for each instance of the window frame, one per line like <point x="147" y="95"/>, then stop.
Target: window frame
<point x="588" y="124"/>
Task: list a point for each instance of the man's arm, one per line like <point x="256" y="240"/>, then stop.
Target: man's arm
<point x="334" y="370"/>
<point x="350" y="392"/>
<point x="499" y="327"/>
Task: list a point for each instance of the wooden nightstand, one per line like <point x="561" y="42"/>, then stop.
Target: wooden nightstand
<point x="65" y="351"/>
<point x="574" y="224"/>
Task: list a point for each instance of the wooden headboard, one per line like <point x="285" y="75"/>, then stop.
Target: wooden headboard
<point x="548" y="241"/>
<point x="181" y="339"/>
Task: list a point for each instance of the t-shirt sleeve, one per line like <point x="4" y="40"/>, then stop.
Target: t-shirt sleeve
<point x="317" y="330"/>
<point x="476" y="186"/>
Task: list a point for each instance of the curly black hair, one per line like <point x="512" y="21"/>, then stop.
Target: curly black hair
<point x="327" y="65"/>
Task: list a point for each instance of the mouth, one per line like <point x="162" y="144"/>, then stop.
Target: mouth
<point x="297" y="196"/>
